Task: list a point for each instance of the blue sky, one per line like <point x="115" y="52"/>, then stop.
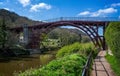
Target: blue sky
<point x="47" y="9"/>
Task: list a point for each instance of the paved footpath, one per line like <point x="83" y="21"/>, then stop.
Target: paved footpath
<point x="101" y="67"/>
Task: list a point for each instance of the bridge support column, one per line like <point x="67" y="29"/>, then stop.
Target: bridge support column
<point x="25" y="34"/>
<point x="34" y="39"/>
<point x="104" y="42"/>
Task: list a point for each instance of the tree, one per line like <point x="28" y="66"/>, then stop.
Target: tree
<point x="112" y="36"/>
<point x="65" y="36"/>
<point x="3" y="34"/>
<point x="85" y="39"/>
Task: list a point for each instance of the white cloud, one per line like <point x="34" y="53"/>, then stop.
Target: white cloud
<point x="7" y="9"/>
<point x="103" y="12"/>
<point x="36" y="7"/>
<point x="84" y="13"/>
<point x="107" y="10"/>
<point x="100" y="12"/>
<point x="24" y="2"/>
<point x="115" y="4"/>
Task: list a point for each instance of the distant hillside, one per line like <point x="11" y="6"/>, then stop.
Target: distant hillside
<point x="12" y="19"/>
<point x="77" y="31"/>
<point x="59" y="31"/>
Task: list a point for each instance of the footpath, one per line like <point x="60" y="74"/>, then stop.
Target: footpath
<point x="101" y="67"/>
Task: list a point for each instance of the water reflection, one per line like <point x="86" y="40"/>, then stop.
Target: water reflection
<point x="11" y="65"/>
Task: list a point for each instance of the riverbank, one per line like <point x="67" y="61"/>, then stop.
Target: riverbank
<point x="70" y="61"/>
<point x="10" y="65"/>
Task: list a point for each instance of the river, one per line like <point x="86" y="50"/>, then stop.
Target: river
<point x="9" y="66"/>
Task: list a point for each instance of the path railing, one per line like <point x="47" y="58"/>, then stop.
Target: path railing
<point x="86" y="68"/>
<point x="83" y="19"/>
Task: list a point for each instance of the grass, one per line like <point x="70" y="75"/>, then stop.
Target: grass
<point x="70" y="65"/>
<point x="51" y="43"/>
<point x="69" y="62"/>
<point x="115" y="65"/>
<point x="80" y="48"/>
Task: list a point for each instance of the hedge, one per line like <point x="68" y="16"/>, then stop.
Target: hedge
<point x="112" y="36"/>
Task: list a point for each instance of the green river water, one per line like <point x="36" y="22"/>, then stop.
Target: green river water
<point x="9" y="66"/>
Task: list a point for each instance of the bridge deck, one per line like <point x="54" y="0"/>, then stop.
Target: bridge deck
<point x="83" y="19"/>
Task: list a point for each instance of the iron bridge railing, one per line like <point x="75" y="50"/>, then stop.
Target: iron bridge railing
<point x="86" y="69"/>
<point x="83" y="19"/>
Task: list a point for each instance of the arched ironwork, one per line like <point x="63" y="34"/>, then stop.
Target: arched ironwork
<point x="78" y="26"/>
<point x="80" y="29"/>
<point x="86" y="24"/>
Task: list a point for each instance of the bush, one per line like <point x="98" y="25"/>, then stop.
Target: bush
<point x="70" y="65"/>
<point x="114" y="64"/>
<point x="83" y="49"/>
<point x="70" y="62"/>
<point x="112" y="36"/>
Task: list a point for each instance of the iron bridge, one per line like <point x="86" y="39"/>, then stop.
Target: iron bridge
<point x="89" y="25"/>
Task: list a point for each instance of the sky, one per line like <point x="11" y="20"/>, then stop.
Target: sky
<point x="49" y="9"/>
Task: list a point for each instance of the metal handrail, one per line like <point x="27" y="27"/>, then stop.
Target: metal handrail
<point x="86" y="68"/>
<point x="83" y="19"/>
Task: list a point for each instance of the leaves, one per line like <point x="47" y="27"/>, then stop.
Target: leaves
<point x="70" y="65"/>
<point x="3" y="34"/>
<point x="83" y="49"/>
<point x="12" y="19"/>
<point x="66" y="36"/>
<point x="112" y="36"/>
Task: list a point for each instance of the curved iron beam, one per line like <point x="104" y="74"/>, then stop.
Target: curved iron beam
<point x="96" y="34"/>
<point x="61" y="24"/>
<point x="88" y="29"/>
<point x="85" y="32"/>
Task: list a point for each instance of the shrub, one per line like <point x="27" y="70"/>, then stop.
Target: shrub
<point x="81" y="48"/>
<point x="112" y="36"/>
<point x="66" y="50"/>
<point x="70" y="62"/>
<point x="114" y="64"/>
<point x="70" y="65"/>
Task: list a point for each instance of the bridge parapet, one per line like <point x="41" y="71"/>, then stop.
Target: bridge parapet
<point x="106" y="19"/>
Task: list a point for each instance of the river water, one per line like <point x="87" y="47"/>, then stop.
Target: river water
<point x="8" y="66"/>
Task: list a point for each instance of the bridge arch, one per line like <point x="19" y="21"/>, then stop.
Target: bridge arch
<point x="85" y="24"/>
<point x="85" y="29"/>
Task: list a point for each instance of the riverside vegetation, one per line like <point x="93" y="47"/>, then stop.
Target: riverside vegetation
<point x="69" y="61"/>
<point x="112" y="36"/>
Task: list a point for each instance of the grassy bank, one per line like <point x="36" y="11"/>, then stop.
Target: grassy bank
<point x="69" y="61"/>
<point x="115" y="65"/>
<point x="80" y="48"/>
<point x="70" y="65"/>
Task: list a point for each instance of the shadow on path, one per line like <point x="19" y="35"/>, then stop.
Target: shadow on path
<point x="101" y="67"/>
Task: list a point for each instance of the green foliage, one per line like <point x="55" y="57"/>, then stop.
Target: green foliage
<point x="70" y="65"/>
<point x="85" y="39"/>
<point x="3" y="34"/>
<point x="12" y="19"/>
<point x="112" y="36"/>
<point x="50" y="43"/>
<point x="114" y="64"/>
<point x="12" y="41"/>
<point x="65" y="36"/>
<point x="80" y="48"/>
<point x="7" y="38"/>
